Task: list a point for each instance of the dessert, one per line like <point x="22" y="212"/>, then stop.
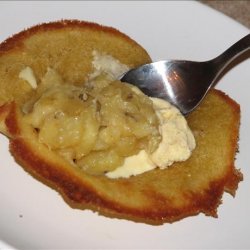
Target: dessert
<point x="47" y="63"/>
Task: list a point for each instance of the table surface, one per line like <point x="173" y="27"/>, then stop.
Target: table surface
<point x="238" y="10"/>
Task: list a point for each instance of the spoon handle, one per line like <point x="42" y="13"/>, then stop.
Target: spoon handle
<point x="223" y="60"/>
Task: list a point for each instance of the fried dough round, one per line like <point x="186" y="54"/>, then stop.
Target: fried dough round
<point x="158" y="196"/>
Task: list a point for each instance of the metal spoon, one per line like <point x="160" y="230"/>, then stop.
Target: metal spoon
<point x="183" y="83"/>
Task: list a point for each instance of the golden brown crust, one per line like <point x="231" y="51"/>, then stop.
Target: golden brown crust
<point x="16" y="41"/>
<point x="155" y="197"/>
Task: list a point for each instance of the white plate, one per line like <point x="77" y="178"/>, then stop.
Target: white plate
<point x="33" y="216"/>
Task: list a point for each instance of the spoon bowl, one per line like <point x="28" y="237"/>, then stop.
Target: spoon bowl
<point x="183" y="83"/>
